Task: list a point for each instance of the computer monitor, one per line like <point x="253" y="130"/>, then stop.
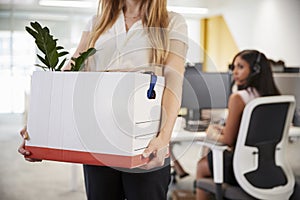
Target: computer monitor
<point x="204" y="90"/>
<point x="289" y="84"/>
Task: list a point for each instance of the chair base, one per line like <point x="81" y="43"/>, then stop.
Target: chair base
<point x="229" y="191"/>
<point x="296" y="193"/>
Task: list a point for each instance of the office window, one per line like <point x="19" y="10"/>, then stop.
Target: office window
<point x="17" y="55"/>
<point x="18" y="50"/>
<point x="5" y="50"/>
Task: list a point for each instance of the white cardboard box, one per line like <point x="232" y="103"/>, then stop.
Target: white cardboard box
<point x="100" y="118"/>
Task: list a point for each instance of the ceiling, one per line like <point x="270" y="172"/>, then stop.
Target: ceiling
<point x="188" y="3"/>
<point x="210" y="4"/>
<point x="23" y="7"/>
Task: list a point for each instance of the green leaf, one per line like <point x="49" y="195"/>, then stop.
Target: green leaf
<point x="31" y="32"/>
<point x="36" y="26"/>
<point x="80" y="60"/>
<point x="43" y="60"/>
<point x="59" y="48"/>
<point x="61" y="65"/>
<point x="46" y="44"/>
<point x="53" y="59"/>
<point x="62" y="53"/>
<point x="43" y="67"/>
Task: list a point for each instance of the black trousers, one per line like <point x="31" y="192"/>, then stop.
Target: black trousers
<point x="105" y="183"/>
<point x="227" y="167"/>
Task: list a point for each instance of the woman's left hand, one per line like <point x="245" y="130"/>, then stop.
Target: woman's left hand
<point x="156" y="151"/>
<point x="214" y="131"/>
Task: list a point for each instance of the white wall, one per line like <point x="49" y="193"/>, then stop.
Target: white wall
<point x="271" y="26"/>
<point x="195" y="50"/>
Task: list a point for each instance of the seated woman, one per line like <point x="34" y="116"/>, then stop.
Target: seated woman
<point x="253" y="77"/>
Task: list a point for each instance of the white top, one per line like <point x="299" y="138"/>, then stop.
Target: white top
<point x="118" y="49"/>
<point x="248" y="94"/>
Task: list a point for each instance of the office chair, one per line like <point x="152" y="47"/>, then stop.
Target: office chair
<point x="259" y="163"/>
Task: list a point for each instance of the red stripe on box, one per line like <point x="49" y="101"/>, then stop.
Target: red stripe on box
<point x="86" y="157"/>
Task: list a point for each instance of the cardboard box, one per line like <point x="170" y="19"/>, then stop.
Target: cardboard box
<point x="100" y="118"/>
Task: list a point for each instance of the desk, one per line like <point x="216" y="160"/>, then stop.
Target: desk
<point x="188" y="136"/>
<point x="294" y="133"/>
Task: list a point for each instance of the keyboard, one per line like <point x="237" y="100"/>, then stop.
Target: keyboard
<point x="196" y="128"/>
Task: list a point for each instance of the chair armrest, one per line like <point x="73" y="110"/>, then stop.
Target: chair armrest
<point x="217" y="154"/>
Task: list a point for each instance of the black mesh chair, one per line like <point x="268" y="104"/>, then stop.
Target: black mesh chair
<point x="259" y="162"/>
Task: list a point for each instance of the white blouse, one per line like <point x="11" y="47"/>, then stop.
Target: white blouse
<point x="118" y="49"/>
<point x="248" y="94"/>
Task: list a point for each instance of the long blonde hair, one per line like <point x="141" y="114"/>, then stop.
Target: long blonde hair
<point x="155" y="18"/>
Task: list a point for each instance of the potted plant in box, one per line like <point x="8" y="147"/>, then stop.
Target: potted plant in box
<point x="52" y="52"/>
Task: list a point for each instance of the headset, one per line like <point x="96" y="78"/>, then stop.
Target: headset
<point x="256" y="67"/>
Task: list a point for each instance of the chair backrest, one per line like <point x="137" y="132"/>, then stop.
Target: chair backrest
<point x="259" y="161"/>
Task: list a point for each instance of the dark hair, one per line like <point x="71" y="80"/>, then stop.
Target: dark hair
<point x="261" y="79"/>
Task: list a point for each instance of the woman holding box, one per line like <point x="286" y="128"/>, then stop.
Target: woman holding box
<point x="129" y="34"/>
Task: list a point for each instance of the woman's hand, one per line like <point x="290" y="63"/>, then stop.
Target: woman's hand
<point x="22" y="149"/>
<point x="157" y="151"/>
<point x="214" y="132"/>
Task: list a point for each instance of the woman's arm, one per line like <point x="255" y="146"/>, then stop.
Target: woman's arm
<point x="171" y="100"/>
<point x="229" y="132"/>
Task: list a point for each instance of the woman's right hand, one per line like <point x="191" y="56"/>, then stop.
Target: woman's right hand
<point x="22" y="149"/>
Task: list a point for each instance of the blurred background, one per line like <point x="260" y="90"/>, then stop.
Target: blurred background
<point x="218" y="29"/>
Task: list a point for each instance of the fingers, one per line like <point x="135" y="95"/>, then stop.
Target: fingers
<point x="213" y="130"/>
<point x="218" y="127"/>
<point x="152" y="147"/>
<point x="157" y="158"/>
<point x="148" y="151"/>
<point x="22" y="149"/>
<point x="25" y="153"/>
<point x="156" y="151"/>
<point x="155" y="162"/>
<point x="33" y="160"/>
<point x="24" y="133"/>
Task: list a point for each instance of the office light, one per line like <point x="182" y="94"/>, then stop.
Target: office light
<point x="188" y="10"/>
<point x="44" y="16"/>
<point x="90" y="4"/>
<point x="71" y="4"/>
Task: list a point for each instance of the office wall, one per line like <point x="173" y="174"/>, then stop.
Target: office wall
<point x="271" y="26"/>
<point x="195" y="49"/>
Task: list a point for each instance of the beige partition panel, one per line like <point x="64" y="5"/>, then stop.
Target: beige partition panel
<point x="218" y="43"/>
